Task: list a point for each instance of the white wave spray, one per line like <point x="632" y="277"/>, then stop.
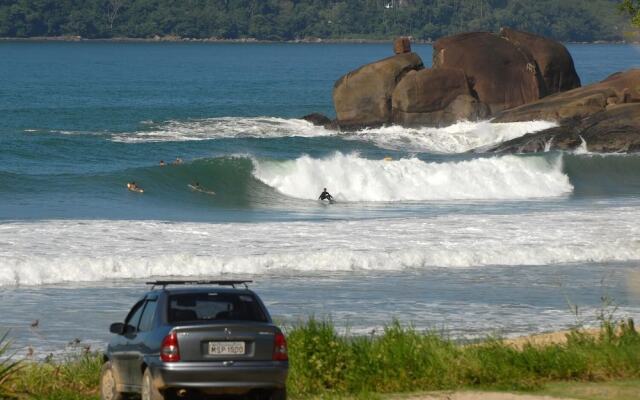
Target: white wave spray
<point x="457" y="138"/>
<point x="352" y="178"/>
<point x="224" y="128"/>
<point x="34" y="253"/>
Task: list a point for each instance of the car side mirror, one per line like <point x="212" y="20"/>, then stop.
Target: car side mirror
<point x="117" y="328"/>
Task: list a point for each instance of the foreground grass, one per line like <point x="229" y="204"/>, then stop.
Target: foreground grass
<point x="404" y="360"/>
<point x="326" y="365"/>
<point x="74" y="379"/>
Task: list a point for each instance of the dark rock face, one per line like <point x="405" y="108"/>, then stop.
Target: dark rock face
<point x="363" y="97"/>
<point x="553" y="59"/>
<point x="614" y="130"/>
<point x="317" y="119"/>
<point x="435" y="97"/>
<point x="499" y="73"/>
<point x="619" y="88"/>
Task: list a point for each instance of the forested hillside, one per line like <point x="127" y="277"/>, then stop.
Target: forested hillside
<point x="568" y="20"/>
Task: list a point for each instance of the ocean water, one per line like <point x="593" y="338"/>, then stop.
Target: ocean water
<point x="441" y="235"/>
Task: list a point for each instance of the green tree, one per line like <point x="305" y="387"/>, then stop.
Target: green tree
<point x="633" y="9"/>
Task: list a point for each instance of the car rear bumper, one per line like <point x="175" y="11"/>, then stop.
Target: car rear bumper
<point x="215" y="375"/>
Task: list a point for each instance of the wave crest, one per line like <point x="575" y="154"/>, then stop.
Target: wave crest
<point x="457" y="138"/>
<point x="45" y="252"/>
<point x="352" y="178"/>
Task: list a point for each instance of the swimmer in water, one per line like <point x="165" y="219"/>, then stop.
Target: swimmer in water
<point x="134" y="187"/>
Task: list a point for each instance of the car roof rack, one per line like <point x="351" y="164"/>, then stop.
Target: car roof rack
<point x="232" y="283"/>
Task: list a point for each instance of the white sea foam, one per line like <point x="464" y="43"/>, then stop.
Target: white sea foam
<point x="224" y="128"/>
<point x="457" y="138"/>
<point x="352" y="178"/>
<point x="33" y="253"/>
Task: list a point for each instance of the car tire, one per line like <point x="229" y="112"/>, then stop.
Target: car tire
<point x="149" y="390"/>
<point x="108" y="384"/>
<point x="278" y="394"/>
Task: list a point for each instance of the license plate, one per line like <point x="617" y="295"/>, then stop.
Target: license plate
<point x="226" y="348"/>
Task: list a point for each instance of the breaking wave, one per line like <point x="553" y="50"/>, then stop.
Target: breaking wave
<point x="352" y="178"/>
<point x="224" y="128"/>
<point x="46" y="252"/>
<point x="457" y="138"/>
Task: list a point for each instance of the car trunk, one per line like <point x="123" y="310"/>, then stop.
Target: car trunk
<point x="228" y="341"/>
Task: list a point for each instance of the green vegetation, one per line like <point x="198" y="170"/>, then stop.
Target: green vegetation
<point x="324" y="364"/>
<point x="403" y="359"/>
<point x="632" y="7"/>
<point x="8" y="367"/>
<point x="73" y="379"/>
<point x="569" y="20"/>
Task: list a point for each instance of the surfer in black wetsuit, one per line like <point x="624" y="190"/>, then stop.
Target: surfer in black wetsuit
<point x="325" y="195"/>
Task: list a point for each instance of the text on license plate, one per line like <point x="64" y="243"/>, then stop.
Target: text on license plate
<point x="226" y="348"/>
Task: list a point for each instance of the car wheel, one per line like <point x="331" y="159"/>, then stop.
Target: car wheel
<point x="278" y="394"/>
<point x="108" y="388"/>
<point x="149" y="391"/>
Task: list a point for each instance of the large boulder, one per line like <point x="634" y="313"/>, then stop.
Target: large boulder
<point x="554" y="60"/>
<point x="402" y="45"/>
<point x="435" y="97"/>
<point x="619" y="88"/>
<point x="363" y="97"/>
<point x="614" y="130"/>
<point x="501" y="75"/>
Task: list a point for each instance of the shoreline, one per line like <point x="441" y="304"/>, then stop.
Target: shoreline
<point x="174" y="39"/>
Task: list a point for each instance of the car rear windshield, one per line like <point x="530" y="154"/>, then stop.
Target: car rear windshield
<point x="214" y="306"/>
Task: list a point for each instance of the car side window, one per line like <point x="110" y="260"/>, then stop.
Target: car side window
<point x="146" y="321"/>
<point x="134" y="315"/>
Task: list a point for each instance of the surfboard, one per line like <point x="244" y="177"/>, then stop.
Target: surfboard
<point x="197" y="189"/>
<point x="137" y="190"/>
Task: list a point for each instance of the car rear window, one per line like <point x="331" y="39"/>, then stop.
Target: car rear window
<point x="214" y="306"/>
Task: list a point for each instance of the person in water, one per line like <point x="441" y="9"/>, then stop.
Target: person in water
<point x="162" y="163"/>
<point x="325" y="195"/>
<point x="178" y="161"/>
<point x="133" y="187"/>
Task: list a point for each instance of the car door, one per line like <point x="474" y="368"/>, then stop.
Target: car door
<point x="122" y="355"/>
<point x="141" y="344"/>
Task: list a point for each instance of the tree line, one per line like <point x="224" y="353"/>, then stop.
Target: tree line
<point x="632" y="7"/>
<point x="567" y="20"/>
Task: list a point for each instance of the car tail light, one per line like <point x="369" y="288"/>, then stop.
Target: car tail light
<point x="169" y="351"/>
<point x="280" y="348"/>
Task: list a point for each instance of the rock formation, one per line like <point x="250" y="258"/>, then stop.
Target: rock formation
<point x="614" y="130"/>
<point x="474" y="75"/>
<point x="553" y="60"/>
<point x="622" y="87"/>
<point x="606" y="115"/>
<point x="317" y="119"/>
<point x="501" y="75"/>
<point x="402" y="45"/>
<point x="435" y="97"/>
<point x="513" y="76"/>
<point x="363" y="97"/>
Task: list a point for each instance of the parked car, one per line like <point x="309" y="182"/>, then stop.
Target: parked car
<point x="207" y="338"/>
